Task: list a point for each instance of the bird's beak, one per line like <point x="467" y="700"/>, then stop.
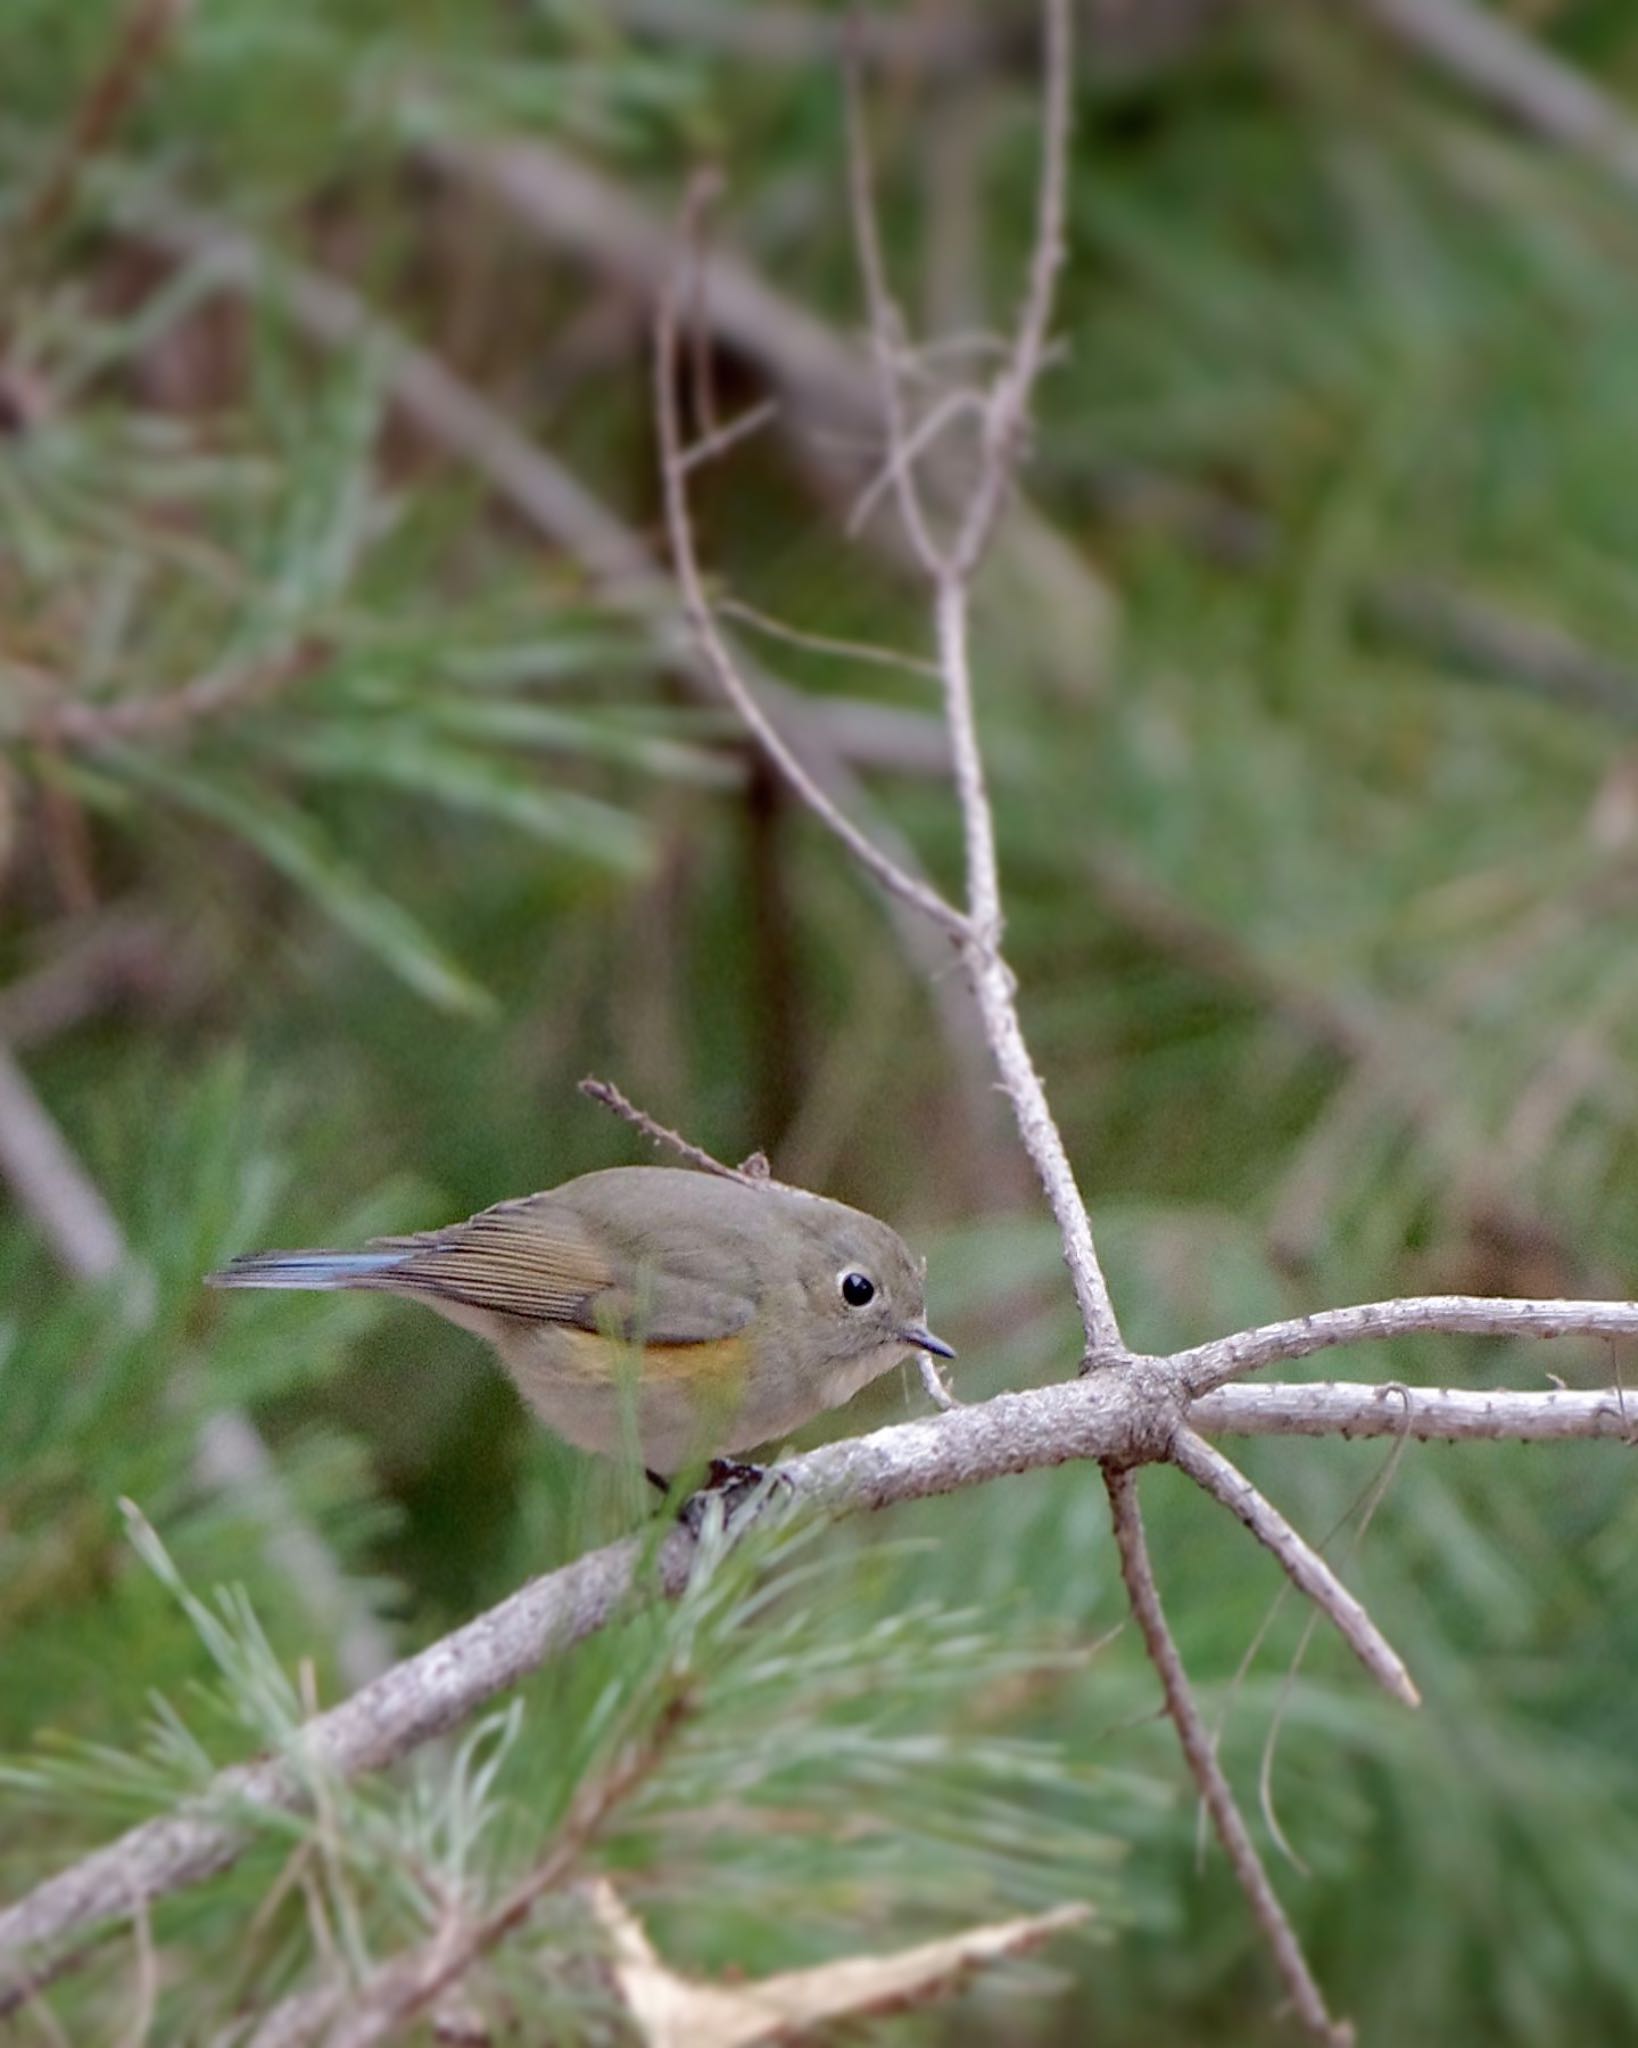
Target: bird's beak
<point x="924" y="1340"/>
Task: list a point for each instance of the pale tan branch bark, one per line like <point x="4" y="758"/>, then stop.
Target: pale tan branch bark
<point x="993" y="987"/>
<point x="950" y="575"/>
<point x="1302" y="1564"/>
<point x="1447" y="1415"/>
<point x="1122" y="1415"/>
<point x="1475" y="1315"/>
<point x="1306" y="1998"/>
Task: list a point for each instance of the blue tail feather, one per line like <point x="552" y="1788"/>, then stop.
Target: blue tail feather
<point x="304" y="1269"/>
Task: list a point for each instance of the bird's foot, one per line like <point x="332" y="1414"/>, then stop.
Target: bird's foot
<point x="730" y="1481"/>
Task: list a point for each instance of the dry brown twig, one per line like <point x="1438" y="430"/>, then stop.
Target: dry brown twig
<point x="612" y="1098"/>
<point x="141" y="42"/>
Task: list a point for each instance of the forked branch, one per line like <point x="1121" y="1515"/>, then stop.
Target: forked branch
<point x="1116" y="1416"/>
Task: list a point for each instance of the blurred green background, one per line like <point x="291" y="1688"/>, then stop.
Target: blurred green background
<point x="1309" y="680"/>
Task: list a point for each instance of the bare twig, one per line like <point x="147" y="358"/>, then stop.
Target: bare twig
<point x="825" y="643"/>
<point x="1007" y="414"/>
<point x="1138" y="1574"/>
<point x="230" y="1457"/>
<point x="897" y="880"/>
<point x="950" y="575"/>
<point x="993" y="987"/>
<point x="612" y="1098"/>
<point x="1474" y="1315"/>
<point x="1120" y="1416"/>
<point x="1488" y="55"/>
<point x="721" y="439"/>
<point x="1449" y="1415"/>
<point x="1303" y="1565"/>
<point x="886" y="335"/>
<point x="906" y="447"/>
<point x="828" y="385"/>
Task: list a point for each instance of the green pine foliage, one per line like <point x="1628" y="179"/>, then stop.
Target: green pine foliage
<point x="1320" y="879"/>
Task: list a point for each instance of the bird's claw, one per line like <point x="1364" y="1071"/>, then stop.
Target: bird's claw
<point x="735" y="1484"/>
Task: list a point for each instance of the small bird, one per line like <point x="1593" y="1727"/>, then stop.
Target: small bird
<point x="687" y="1313"/>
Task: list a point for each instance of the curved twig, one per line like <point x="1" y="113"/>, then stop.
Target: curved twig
<point x="1303" y="1565"/>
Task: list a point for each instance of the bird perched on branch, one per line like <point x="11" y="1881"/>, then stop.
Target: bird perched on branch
<point x="684" y="1314"/>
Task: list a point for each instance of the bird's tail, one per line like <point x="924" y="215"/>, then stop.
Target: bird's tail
<point x="313" y="1270"/>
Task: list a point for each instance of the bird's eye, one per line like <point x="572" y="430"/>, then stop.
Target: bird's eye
<point x="857" y="1289"/>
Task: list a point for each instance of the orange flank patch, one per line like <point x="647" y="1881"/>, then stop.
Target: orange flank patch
<point x="715" y="1367"/>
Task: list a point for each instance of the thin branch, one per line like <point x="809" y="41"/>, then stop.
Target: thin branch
<point x="718" y="442"/>
<point x="1449" y="1415"/>
<point x="887" y="336"/>
<point x="825" y="643"/>
<point x="906" y="446"/>
<point x="1485" y="53"/>
<point x="895" y="879"/>
<point x="993" y="989"/>
<point x="1121" y="1416"/>
<point x="1474" y="1315"/>
<point x="951" y="578"/>
<point x="1138" y="1574"/>
<point x="1302" y="1564"/>
<point x="612" y="1098"/>
<point x="50" y="1185"/>
<point x="1007" y="416"/>
<point x="829" y="386"/>
<point x="230" y="1458"/>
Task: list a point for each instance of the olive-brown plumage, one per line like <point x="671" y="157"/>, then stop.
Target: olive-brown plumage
<point x="683" y="1314"/>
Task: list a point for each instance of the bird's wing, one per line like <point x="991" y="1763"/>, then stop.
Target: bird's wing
<point x="535" y="1259"/>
